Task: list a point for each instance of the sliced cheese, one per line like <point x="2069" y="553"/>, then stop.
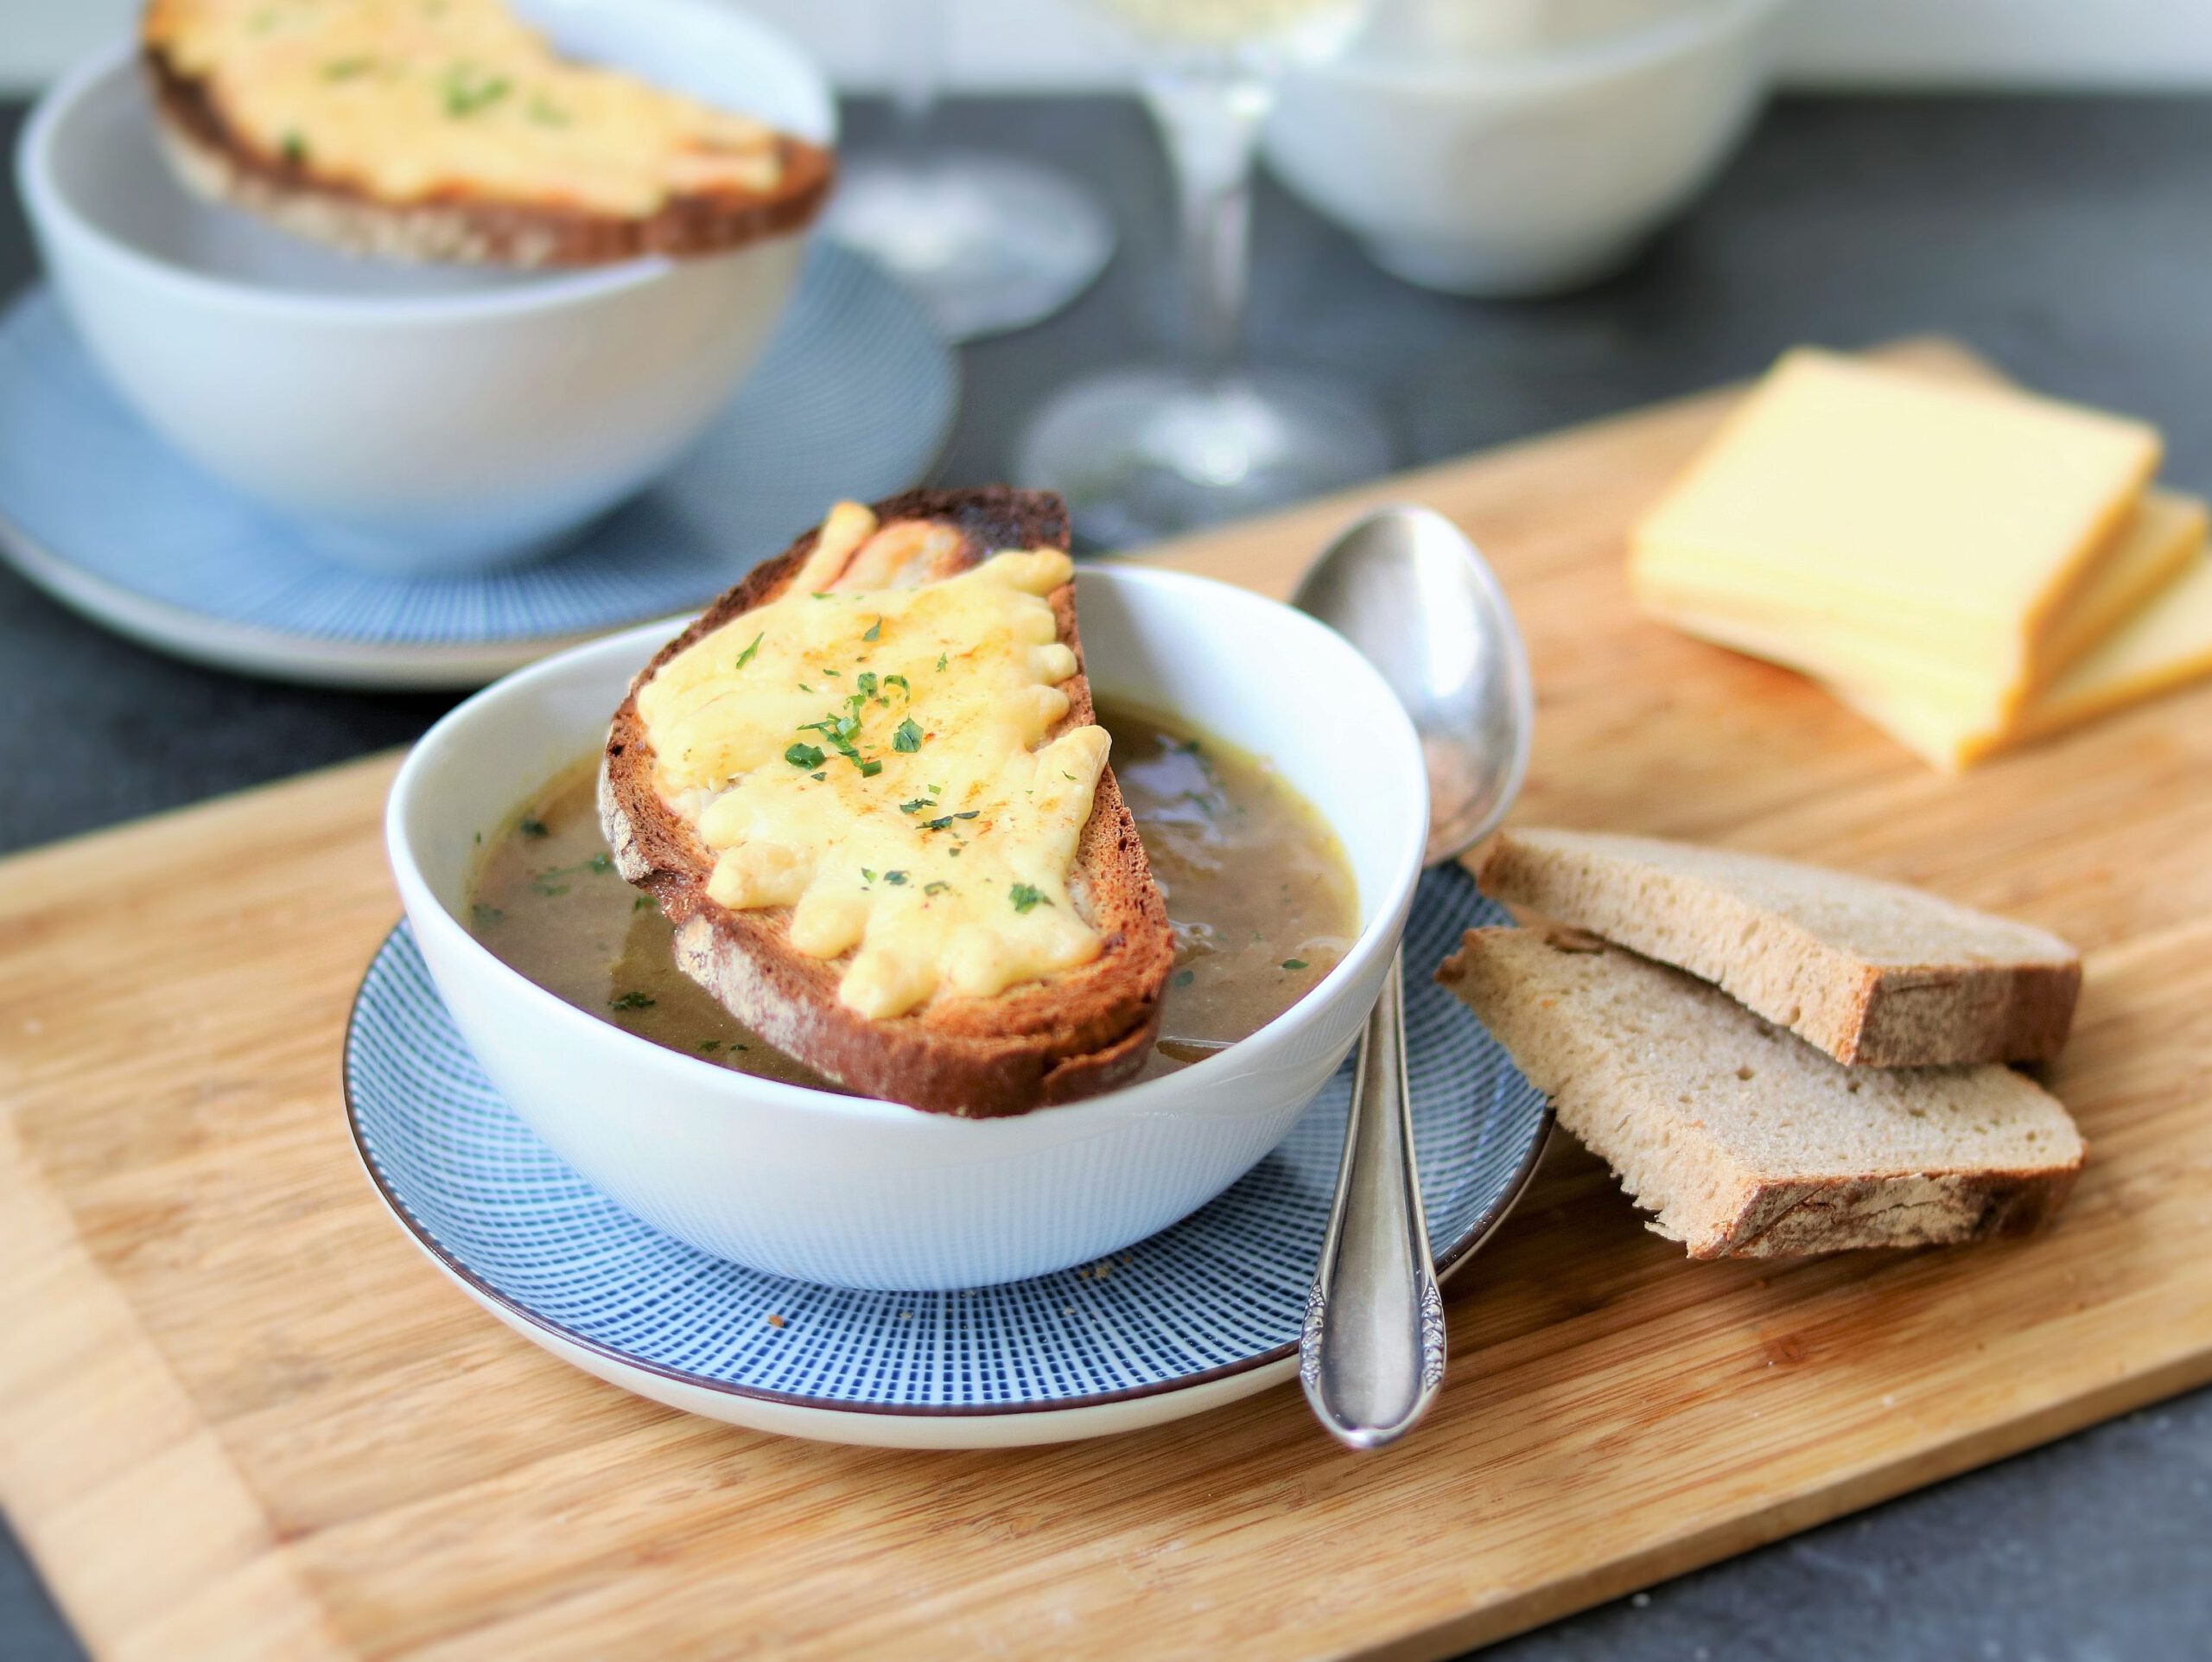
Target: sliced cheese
<point x="2166" y="534"/>
<point x="877" y="760"/>
<point x="410" y="100"/>
<point x="1957" y="520"/>
<point x="2165" y="645"/>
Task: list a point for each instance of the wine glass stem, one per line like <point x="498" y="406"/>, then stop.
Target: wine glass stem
<point x="1211" y="123"/>
<point x="913" y="34"/>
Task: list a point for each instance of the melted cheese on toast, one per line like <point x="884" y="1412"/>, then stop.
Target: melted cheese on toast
<point x="416" y="100"/>
<point x="876" y="759"/>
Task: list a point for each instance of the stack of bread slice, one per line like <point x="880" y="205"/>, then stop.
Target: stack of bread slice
<point x="1777" y="1058"/>
<point x="1968" y="565"/>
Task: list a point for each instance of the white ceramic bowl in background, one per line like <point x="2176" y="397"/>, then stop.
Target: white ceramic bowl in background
<point x="865" y="1193"/>
<point x="1523" y="172"/>
<point x="413" y="418"/>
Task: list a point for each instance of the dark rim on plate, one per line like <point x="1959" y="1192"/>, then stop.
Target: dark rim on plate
<point x="1447" y="1263"/>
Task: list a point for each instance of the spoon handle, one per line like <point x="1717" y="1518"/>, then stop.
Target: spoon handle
<point x="1372" y="1353"/>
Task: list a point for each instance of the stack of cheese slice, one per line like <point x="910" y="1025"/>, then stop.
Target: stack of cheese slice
<point x="1967" y="566"/>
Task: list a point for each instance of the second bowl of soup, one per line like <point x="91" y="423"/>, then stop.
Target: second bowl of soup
<point x="1279" y="790"/>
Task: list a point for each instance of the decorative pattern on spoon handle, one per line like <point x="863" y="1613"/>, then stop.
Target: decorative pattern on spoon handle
<point x="1432" y="1335"/>
<point x="1309" y="1338"/>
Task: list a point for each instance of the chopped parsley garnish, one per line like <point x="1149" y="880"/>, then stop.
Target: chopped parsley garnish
<point x="939" y="823"/>
<point x="934" y="790"/>
<point x="866" y="683"/>
<point x="938" y="888"/>
<point x="908" y="737"/>
<point x="467" y="90"/>
<point x="1294" y="964"/>
<point x="940" y="663"/>
<point x="710" y="1044"/>
<point x="294" y="147"/>
<point x="874" y="631"/>
<point x="746" y="657"/>
<point x="531" y="825"/>
<point x="1185" y="978"/>
<point x="916" y="806"/>
<point x="870" y="769"/>
<point x="631" y="1000"/>
<point x="347" y="68"/>
<point x="484" y="913"/>
<point x="970" y="814"/>
<point x="1026" y="899"/>
<point x="641" y="902"/>
<point x="803" y="756"/>
<point x="818" y="778"/>
<point x="899" y="681"/>
<point x="896" y="879"/>
<point x="840" y="674"/>
<point x="602" y="862"/>
<point x="867" y="876"/>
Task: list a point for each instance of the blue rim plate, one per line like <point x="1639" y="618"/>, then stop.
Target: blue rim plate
<point x="1205" y="1311"/>
<point x="854" y="396"/>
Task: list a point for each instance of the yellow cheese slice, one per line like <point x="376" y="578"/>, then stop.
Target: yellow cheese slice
<point x="2166" y="644"/>
<point x="1961" y="520"/>
<point x="877" y="760"/>
<point x="2165" y="533"/>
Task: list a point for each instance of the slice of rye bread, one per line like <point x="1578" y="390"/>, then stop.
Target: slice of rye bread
<point x="1745" y="1140"/>
<point x="215" y="160"/>
<point x="1872" y="972"/>
<point x="1050" y="1041"/>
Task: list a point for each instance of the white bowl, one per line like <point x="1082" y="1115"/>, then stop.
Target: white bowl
<point x="1527" y="172"/>
<point x="866" y="1193"/>
<point x="413" y="418"/>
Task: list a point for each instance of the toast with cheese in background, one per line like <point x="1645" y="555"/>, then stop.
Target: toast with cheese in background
<point x="448" y="130"/>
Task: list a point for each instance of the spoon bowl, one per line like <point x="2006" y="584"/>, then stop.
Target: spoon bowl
<point x="1406" y="587"/>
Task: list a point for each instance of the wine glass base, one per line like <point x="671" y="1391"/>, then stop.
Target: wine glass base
<point x="987" y="243"/>
<point x="1148" y="453"/>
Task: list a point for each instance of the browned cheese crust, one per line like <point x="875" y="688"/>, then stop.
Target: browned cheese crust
<point x="1050" y="1041"/>
<point x="219" y="162"/>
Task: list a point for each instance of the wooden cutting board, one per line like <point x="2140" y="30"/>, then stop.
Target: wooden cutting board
<point x="240" y="1415"/>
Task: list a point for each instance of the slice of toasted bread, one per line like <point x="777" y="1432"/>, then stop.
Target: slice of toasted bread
<point x="452" y="132"/>
<point x="1744" y="1139"/>
<point x="1872" y="972"/>
<point x="1051" y="1039"/>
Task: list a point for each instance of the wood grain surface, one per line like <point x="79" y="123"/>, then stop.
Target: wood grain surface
<point x="240" y="1416"/>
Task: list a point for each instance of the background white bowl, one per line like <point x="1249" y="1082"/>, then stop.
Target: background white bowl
<point x="414" y="418"/>
<point x="1523" y="172"/>
<point x="865" y="1193"/>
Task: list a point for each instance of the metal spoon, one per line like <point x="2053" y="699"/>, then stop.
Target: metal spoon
<point x="1407" y="589"/>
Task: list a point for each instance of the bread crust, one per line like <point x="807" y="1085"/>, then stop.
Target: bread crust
<point x="1050" y="1041"/>
<point x="217" y="161"/>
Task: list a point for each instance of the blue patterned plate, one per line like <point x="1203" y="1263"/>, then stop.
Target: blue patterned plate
<point x="1202" y="1313"/>
<point x="855" y="397"/>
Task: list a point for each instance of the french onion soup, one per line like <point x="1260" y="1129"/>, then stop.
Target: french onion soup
<point x="1261" y="899"/>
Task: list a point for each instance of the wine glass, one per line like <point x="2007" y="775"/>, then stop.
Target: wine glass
<point x="1145" y="452"/>
<point x="987" y="243"/>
